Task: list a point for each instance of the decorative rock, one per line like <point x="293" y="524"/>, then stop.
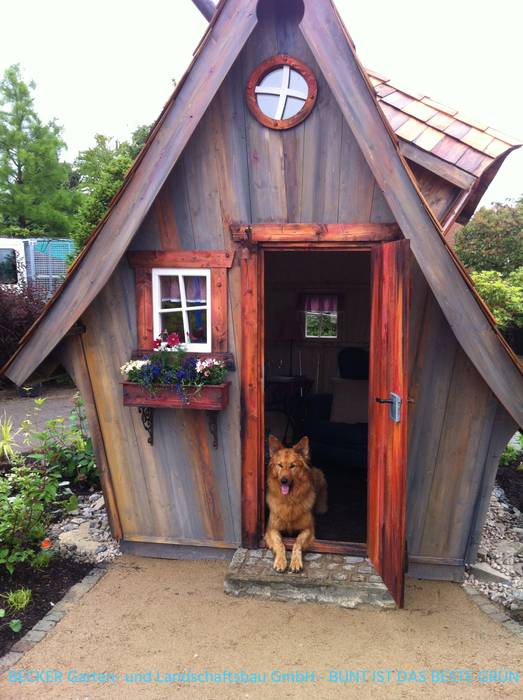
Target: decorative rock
<point x="80" y="537"/>
<point x="354" y="560"/>
<point x="508" y="547"/>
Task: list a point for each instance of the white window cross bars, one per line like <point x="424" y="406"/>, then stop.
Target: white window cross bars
<point x="283" y="91"/>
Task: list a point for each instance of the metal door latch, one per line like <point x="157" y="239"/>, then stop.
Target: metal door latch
<point x="394" y="406"/>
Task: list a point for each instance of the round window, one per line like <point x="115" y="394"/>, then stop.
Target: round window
<point x="281" y="92"/>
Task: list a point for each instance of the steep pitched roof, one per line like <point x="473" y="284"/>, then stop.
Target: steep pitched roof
<point x="470" y="147"/>
<point x="327" y="37"/>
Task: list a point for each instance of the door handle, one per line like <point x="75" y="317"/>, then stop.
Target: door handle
<point x="394" y="406"/>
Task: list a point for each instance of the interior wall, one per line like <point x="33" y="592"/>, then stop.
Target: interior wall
<point x="287" y="276"/>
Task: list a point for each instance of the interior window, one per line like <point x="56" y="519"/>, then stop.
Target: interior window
<point x="8" y="271"/>
<point x="321" y="315"/>
<point x="181" y="305"/>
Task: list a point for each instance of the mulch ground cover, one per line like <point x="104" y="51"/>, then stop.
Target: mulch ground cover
<point x="47" y="587"/>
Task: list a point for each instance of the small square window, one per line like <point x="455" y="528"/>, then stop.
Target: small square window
<point x="321" y="325"/>
<point x="181" y="304"/>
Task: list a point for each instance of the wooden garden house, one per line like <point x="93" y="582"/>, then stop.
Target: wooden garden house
<point x="303" y="204"/>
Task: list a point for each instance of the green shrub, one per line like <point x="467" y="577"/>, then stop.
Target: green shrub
<point x="7" y="439"/>
<point x="28" y="496"/>
<point x="513" y="453"/>
<point x="64" y="445"/>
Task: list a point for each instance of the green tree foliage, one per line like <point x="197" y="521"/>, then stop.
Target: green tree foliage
<point x="101" y="171"/>
<point x="504" y="295"/>
<point x="36" y="197"/>
<point x="493" y="239"/>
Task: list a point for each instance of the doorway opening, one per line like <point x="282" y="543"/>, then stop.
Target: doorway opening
<point x="317" y="313"/>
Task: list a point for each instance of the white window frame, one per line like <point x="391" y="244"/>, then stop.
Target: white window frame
<point x="181" y="272"/>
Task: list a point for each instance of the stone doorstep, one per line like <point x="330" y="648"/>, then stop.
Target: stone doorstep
<point x="49" y="621"/>
<point x="348" y="582"/>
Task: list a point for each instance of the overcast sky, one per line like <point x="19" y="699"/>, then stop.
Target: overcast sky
<point x="106" y="66"/>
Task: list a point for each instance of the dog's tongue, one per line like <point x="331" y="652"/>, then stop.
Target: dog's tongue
<point x="285" y="489"/>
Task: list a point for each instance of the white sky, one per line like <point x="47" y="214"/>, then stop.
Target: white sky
<point x="107" y="66"/>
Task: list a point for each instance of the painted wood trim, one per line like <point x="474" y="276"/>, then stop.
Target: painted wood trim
<point x="294" y="233"/>
<point x="261" y="71"/>
<point x="464" y="311"/>
<point x="181" y="258"/>
<point x="219" y="307"/>
<point x="251" y="400"/>
<point x="72" y="356"/>
<point x="187" y="541"/>
<point x="229" y="30"/>
<point x="144" y="308"/>
<point x="447" y="171"/>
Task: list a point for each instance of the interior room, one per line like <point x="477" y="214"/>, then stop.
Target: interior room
<point x="317" y="327"/>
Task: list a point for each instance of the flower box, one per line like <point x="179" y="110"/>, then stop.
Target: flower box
<point x="210" y="397"/>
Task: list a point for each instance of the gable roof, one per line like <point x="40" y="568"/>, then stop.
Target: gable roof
<point x="326" y="36"/>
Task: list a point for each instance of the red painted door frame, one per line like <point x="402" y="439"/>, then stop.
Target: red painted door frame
<point x="390" y="284"/>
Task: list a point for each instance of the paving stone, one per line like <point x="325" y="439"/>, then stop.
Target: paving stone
<point x="331" y="579"/>
<point x="44" y="625"/>
<point x="9" y="660"/>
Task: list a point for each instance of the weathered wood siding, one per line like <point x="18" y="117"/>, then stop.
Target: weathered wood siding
<point x="457" y="431"/>
<point x="181" y="490"/>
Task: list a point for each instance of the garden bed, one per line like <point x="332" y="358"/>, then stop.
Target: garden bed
<point x="47" y="586"/>
<point x="511" y="481"/>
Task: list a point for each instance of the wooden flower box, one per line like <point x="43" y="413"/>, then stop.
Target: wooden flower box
<point x="211" y="397"/>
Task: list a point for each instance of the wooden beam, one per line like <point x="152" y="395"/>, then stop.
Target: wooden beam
<point x="447" y="171"/>
<point x="350" y="85"/>
<point x="180" y="258"/>
<point x="232" y="25"/>
<point x="334" y="233"/>
<point x="206" y="7"/>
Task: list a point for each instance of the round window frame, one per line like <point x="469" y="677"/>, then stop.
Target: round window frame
<point x="261" y="71"/>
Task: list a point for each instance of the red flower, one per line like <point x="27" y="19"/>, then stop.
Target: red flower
<point x="157" y="343"/>
<point x="45" y="544"/>
<point x="173" y="339"/>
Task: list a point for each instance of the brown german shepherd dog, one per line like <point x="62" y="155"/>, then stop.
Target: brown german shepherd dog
<point x="294" y="490"/>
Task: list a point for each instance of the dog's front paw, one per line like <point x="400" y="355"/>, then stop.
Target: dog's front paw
<point x="296" y="563"/>
<point x="280" y="564"/>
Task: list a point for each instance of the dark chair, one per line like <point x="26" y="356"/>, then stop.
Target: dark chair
<point x="337" y="423"/>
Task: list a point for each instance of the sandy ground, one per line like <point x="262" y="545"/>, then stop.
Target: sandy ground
<point x="167" y="617"/>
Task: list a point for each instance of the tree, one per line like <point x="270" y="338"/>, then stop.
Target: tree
<point x="493" y="239"/>
<point x="36" y="197"/>
<point x="101" y="171"/>
<point x="503" y="294"/>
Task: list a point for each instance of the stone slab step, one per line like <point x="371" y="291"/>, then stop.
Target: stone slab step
<point x="349" y="582"/>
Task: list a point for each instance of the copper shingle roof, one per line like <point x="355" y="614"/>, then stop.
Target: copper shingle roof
<point x="454" y="137"/>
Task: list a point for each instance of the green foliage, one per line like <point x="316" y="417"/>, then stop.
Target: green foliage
<point x="101" y="171"/>
<point x="7" y="439"/>
<point x="493" y="239"/>
<point x="65" y="446"/>
<point x="513" y="453"/>
<point x="27" y="495"/>
<point x="503" y="294"/>
<point x="19" y="599"/>
<point x="36" y="198"/>
<point x="15" y="625"/>
<point x="41" y="560"/>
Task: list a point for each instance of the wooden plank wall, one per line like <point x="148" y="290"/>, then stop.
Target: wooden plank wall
<point x="234" y="170"/>
<point x="456" y="429"/>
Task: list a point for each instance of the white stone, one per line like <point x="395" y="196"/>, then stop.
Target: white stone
<point x="81" y="537"/>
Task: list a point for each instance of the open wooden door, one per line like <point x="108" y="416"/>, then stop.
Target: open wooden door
<point x="387" y="488"/>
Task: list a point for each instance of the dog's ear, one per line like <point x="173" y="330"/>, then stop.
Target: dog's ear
<point x="274" y="445"/>
<point x="302" y="448"/>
